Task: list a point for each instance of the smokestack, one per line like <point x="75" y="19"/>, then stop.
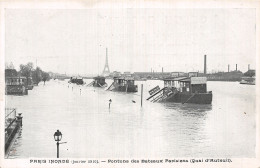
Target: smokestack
<point x="162" y="69"/>
<point x="248" y="66"/>
<point x="236" y="67"/>
<point x="205" y="64"/>
<point x="228" y="67"/>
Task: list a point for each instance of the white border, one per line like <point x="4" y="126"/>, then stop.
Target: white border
<point x="80" y="4"/>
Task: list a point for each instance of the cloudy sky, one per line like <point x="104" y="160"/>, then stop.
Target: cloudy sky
<point x="75" y="40"/>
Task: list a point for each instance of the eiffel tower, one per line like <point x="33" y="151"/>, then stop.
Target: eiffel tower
<point x="106" y="71"/>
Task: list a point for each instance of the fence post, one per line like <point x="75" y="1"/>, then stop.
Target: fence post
<point x="141" y="95"/>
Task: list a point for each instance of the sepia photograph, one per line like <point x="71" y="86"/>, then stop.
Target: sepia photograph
<point x="117" y="85"/>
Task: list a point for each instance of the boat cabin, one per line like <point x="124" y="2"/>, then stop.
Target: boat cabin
<point x="123" y="84"/>
<point x="100" y="80"/>
<point x="173" y="81"/>
<point x="15" y="80"/>
<point x="187" y="84"/>
<point x="194" y="85"/>
<point x="123" y="81"/>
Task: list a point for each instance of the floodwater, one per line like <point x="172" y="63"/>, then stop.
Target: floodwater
<point x="227" y="128"/>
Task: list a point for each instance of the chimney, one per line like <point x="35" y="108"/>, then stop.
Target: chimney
<point x="205" y="64"/>
<point x="248" y="66"/>
<point x="228" y="67"/>
<point x="162" y="69"/>
<point x="236" y="67"/>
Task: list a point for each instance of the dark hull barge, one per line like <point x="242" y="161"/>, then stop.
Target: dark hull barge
<point x="16" y="86"/>
<point x="182" y="90"/>
<point x="248" y="80"/>
<point x="123" y="84"/>
<point x="78" y="81"/>
<point x="99" y="81"/>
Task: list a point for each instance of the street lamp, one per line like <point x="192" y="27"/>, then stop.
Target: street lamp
<point x="57" y="137"/>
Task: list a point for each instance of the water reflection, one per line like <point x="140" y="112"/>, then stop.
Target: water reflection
<point x="188" y="108"/>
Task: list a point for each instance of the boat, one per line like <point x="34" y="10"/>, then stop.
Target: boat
<point x="76" y="80"/>
<point x="248" y="80"/>
<point x="182" y="90"/>
<point x="123" y="84"/>
<point x="99" y="81"/>
<point x="16" y="86"/>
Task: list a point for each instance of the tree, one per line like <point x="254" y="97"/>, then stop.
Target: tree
<point x="26" y="70"/>
<point x="9" y="66"/>
<point x="45" y="76"/>
<point x="250" y="73"/>
<point x="10" y="72"/>
<point x="37" y="75"/>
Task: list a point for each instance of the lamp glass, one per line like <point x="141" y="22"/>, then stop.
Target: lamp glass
<point x="57" y="135"/>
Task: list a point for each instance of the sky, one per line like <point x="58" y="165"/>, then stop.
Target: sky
<point x="74" y="41"/>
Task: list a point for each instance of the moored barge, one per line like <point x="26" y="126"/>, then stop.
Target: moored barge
<point x="248" y="80"/>
<point x="16" y="86"/>
<point x="182" y="90"/>
<point x="99" y="81"/>
<point x="76" y="80"/>
<point x="123" y="84"/>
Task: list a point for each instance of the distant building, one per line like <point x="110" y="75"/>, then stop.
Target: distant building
<point x="193" y="74"/>
<point x="115" y="74"/>
<point x="225" y="76"/>
<point x="151" y="75"/>
<point x="177" y="74"/>
<point x="127" y="74"/>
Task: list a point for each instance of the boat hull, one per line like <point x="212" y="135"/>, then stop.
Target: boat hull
<point x="247" y="83"/>
<point x="99" y="85"/>
<point x="29" y="87"/>
<point x="198" y="98"/>
<point x="125" y="89"/>
<point x="16" y="90"/>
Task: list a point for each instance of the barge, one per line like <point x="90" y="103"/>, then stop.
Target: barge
<point x="248" y="80"/>
<point x="76" y="80"/>
<point x="16" y="86"/>
<point x="182" y="90"/>
<point x="99" y="81"/>
<point x="123" y="84"/>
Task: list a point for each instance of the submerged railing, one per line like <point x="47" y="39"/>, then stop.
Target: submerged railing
<point x="13" y="124"/>
<point x="10" y="116"/>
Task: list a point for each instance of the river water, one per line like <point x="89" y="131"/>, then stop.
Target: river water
<point x="227" y="128"/>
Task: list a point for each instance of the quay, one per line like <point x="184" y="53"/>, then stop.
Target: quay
<point x="13" y="126"/>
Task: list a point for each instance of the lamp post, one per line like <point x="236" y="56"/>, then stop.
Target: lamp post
<point x="57" y="137"/>
<point x="110" y="101"/>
